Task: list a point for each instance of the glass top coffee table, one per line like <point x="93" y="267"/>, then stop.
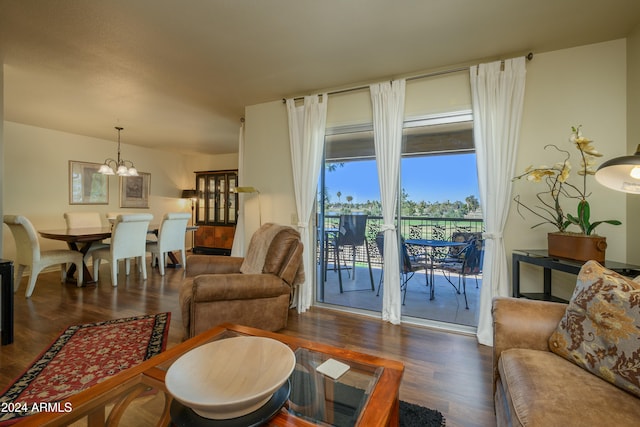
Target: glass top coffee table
<point x="366" y="395"/>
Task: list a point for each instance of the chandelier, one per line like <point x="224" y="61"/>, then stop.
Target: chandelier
<point x="120" y="165"/>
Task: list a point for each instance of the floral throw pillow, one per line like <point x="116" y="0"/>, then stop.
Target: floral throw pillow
<point x="600" y="330"/>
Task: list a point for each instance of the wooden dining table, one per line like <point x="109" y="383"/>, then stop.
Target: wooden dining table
<point x="79" y="239"/>
<point x="82" y="238"/>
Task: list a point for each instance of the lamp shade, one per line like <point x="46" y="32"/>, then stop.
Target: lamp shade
<point x="621" y="173"/>
<point x="106" y="170"/>
<point x="189" y="194"/>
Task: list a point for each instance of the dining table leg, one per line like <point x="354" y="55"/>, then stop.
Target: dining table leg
<point x="87" y="277"/>
<point x="174" y="262"/>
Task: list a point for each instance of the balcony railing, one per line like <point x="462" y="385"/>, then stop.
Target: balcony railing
<point x="415" y="227"/>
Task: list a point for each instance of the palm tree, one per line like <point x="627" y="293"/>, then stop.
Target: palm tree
<point x="472" y="203"/>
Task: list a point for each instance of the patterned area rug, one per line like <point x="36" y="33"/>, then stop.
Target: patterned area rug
<point x="84" y="355"/>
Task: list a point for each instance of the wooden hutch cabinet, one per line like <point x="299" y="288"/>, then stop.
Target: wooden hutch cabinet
<point x="216" y="211"/>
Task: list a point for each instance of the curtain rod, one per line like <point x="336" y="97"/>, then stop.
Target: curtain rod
<point x="529" y="57"/>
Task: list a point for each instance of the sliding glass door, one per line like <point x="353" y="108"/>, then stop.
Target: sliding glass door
<point x="439" y="198"/>
<point x="348" y="221"/>
<point x="439" y="207"/>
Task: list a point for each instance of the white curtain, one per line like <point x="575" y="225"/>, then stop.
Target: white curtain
<point x="388" y="116"/>
<point x="306" y="137"/>
<point x="238" y="239"/>
<point x="497" y="96"/>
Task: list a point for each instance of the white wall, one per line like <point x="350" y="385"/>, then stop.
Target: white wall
<point x="436" y="95"/>
<point x="584" y="85"/>
<point x="267" y="166"/>
<point x="36" y="176"/>
<point x="633" y="139"/>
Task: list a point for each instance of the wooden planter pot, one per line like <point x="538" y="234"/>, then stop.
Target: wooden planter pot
<point x="575" y="246"/>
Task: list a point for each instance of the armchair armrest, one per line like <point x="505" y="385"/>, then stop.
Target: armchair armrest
<point x="523" y="323"/>
<point x="212" y="264"/>
<point x="218" y="287"/>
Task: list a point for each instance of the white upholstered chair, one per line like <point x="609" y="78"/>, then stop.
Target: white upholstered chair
<point x="85" y="220"/>
<point x="111" y="216"/>
<point x="82" y="219"/>
<point x="28" y="254"/>
<point x="171" y="237"/>
<point x="128" y="240"/>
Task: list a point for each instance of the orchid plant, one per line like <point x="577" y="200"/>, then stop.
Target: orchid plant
<point x="558" y="188"/>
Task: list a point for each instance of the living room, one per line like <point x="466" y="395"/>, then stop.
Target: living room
<point x="554" y="100"/>
<point x="596" y="85"/>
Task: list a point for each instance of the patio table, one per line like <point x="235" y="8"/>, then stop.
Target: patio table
<point x="429" y="246"/>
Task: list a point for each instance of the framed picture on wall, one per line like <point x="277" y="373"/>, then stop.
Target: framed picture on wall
<point x="134" y="190"/>
<point x="86" y="185"/>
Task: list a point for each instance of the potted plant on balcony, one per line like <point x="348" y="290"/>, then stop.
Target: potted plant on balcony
<point x="585" y="244"/>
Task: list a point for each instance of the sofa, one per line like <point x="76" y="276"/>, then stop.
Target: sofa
<point x="575" y="364"/>
<point x="254" y="290"/>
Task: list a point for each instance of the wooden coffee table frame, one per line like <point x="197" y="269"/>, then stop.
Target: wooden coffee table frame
<point x="381" y="409"/>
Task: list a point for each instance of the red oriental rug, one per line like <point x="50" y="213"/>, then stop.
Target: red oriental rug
<point x="82" y="356"/>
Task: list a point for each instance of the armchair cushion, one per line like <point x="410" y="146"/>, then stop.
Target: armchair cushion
<point x="265" y="254"/>
<point x="600" y="330"/>
<point x="256" y="300"/>
<point x="258" y="248"/>
<point x="285" y="264"/>
<point x="209" y="287"/>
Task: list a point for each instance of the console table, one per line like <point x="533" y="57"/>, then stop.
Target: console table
<point x="541" y="258"/>
<point x="6" y="301"/>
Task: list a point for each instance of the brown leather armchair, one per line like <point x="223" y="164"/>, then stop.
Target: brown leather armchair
<point x="254" y="291"/>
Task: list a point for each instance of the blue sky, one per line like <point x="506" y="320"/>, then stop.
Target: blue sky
<point x="429" y="178"/>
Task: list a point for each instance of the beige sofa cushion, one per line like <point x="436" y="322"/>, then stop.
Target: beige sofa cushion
<point x="600" y="330"/>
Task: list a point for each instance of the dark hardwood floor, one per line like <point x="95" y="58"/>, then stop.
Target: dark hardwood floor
<point x="444" y="371"/>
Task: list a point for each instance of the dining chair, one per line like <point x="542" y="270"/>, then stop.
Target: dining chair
<point x="111" y="216"/>
<point x="171" y="237"/>
<point x="455" y="253"/>
<point x="128" y="240"/>
<point x="86" y="220"/>
<point x="408" y="266"/>
<point x="82" y="219"/>
<point x="439" y="232"/>
<point x="28" y="254"/>
<point x="351" y="235"/>
<point x="469" y="263"/>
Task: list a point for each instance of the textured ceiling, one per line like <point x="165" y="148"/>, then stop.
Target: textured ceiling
<point x="178" y="74"/>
